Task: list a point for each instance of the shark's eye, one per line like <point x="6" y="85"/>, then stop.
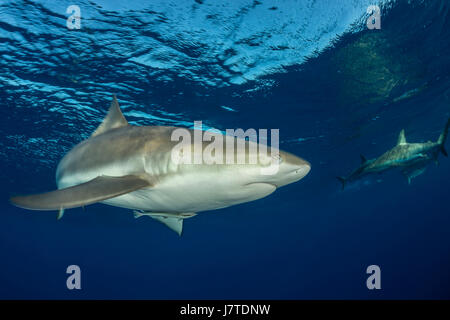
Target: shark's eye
<point x="276" y="158"/>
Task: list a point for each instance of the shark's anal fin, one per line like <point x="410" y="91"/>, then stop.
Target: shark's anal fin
<point x="401" y="137"/>
<point x="172" y="220"/>
<point x="114" y="119"/>
<point x="96" y="190"/>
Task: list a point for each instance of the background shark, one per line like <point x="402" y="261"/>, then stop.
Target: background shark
<point x="131" y="167"/>
<point x="410" y="158"/>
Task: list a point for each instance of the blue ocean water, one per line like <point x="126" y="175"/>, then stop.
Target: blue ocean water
<point x="310" y="68"/>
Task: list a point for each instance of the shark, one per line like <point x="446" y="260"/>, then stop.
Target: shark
<point x="411" y="159"/>
<point x="132" y="167"/>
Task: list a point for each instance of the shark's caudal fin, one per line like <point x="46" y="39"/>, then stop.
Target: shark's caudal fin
<point x="342" y="180"/>
<point x="443" y="137"/>
<point x="96" y="190"/>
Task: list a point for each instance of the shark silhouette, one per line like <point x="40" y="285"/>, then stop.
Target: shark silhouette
<point x="411" y="158"/>
<point x="131" y="167"/>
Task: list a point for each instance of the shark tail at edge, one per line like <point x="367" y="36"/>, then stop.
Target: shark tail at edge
<point x="443" y="137"/>
<point x="342" y="180"/>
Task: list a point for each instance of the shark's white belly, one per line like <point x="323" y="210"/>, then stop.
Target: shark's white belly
<point x="185" y="192"/>
<point x="192" y="193"/>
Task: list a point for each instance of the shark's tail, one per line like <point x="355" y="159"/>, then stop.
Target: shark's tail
<point x="443" y="137"/>
<point x="342" y="180"/>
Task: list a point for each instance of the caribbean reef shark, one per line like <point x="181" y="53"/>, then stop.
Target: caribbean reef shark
<point x="132" y="167"/>
<point x="411" y="158"/>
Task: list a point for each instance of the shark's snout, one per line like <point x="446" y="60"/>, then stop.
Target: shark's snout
<point x="291" y="169"/>
<point x="303" y="169"/>
<point x="297" y="166"/>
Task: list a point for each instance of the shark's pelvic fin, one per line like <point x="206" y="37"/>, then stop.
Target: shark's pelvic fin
<point x="401" y="137"/>
<point x="172" y="220"/>
<point x="96" y="190"/>
<point x="114" y="119"/>
<point x="60" y="214"/>
<point x="174" y="223"/>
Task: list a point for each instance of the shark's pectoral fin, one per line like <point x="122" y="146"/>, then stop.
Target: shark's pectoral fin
<point x="98" y="189"/>
<point x="172" y="220"/>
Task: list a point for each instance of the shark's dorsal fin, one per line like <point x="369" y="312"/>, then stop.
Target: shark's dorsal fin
<point x="363" y="159"/>
<point x="114" y="119"/>
<point x="401" y="137"/>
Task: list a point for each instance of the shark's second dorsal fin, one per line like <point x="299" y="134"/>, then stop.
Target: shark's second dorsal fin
<point x="114" y="119"/>
<point x="401" y="137"/>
